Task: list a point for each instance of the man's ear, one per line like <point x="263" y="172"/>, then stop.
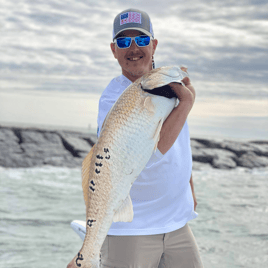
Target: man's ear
<point x="155" y="42"/>
<point x="113" y="49"/>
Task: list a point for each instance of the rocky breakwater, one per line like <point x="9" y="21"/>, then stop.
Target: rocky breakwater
<point x="28" y="147"/>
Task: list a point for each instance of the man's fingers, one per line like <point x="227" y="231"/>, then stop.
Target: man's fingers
<point x="186" y="81"/>
<point x="183" y="93"/>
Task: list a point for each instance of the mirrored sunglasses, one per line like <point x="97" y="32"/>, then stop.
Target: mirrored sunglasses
<point x="125" y="42"/>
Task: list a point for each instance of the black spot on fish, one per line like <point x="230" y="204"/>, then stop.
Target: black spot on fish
<point x="79" y="258"/>
<point x="98" y="164"/>
<point x="106" y="150"/>
<point x="91" y="188"/>
<point x="89" y="222"/>
<point x="92" y="182"/>
<point x="97" y="171"/>
<point x="164" y="91"/>
<point x="99" y="156"/>
<point x="107" y="157"/>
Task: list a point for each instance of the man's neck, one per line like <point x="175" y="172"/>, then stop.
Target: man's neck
<point x="133" y="77"/>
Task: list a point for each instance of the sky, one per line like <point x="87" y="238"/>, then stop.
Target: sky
<point x="65" y="46"/>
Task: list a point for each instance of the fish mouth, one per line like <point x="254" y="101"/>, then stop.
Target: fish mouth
<point x="155" y="85"/>
<point x="164" y="91"/>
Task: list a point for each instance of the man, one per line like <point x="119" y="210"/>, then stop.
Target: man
<point x="163" y="194"/>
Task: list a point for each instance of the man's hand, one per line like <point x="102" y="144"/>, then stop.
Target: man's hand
<point x="184" y="94"/>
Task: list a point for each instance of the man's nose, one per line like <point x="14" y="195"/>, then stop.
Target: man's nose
<point x="133" y="45"/>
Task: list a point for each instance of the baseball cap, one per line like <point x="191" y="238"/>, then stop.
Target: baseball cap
<point x="132" y="19"/>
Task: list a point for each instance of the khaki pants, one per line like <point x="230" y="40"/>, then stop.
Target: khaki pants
<point x="177" y="249"/>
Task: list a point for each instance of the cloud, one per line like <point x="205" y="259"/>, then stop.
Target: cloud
<point x="64" y="45"/>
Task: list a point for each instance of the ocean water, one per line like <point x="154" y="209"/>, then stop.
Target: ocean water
<point x="38" y="204"/>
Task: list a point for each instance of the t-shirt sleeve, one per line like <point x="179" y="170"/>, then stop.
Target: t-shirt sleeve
<point x="156" y="157"/>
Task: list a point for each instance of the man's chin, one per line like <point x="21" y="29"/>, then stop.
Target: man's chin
<point x="136" y="72"/>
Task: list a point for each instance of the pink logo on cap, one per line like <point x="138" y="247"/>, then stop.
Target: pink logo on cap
<point x="128" y="17"/>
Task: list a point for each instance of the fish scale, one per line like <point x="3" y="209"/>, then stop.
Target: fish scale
<point x="127" y="140"/>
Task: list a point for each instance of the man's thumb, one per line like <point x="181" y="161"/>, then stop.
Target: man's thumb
<point x="186" y="80"/>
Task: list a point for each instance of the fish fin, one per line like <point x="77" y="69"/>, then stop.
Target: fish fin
<point x="148" y="104"/>
<point x="157" y="133"/>
<point x="125" y="211"/>
<point x="184" y="68"/>
<point x="85" y="175"/>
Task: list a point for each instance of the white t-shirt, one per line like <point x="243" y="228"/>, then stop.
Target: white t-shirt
<point x="161" y="195"/>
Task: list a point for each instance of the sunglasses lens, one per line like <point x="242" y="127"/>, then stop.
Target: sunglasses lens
<point x="123" y="42"/>
<point x="142" y="41"/>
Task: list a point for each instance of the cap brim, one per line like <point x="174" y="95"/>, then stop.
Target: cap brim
<point x="134" y="28"/>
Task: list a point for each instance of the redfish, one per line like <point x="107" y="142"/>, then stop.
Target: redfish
<point x="129" y="136"/>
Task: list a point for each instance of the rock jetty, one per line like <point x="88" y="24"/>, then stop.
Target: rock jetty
<point x="29" y="147"/>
